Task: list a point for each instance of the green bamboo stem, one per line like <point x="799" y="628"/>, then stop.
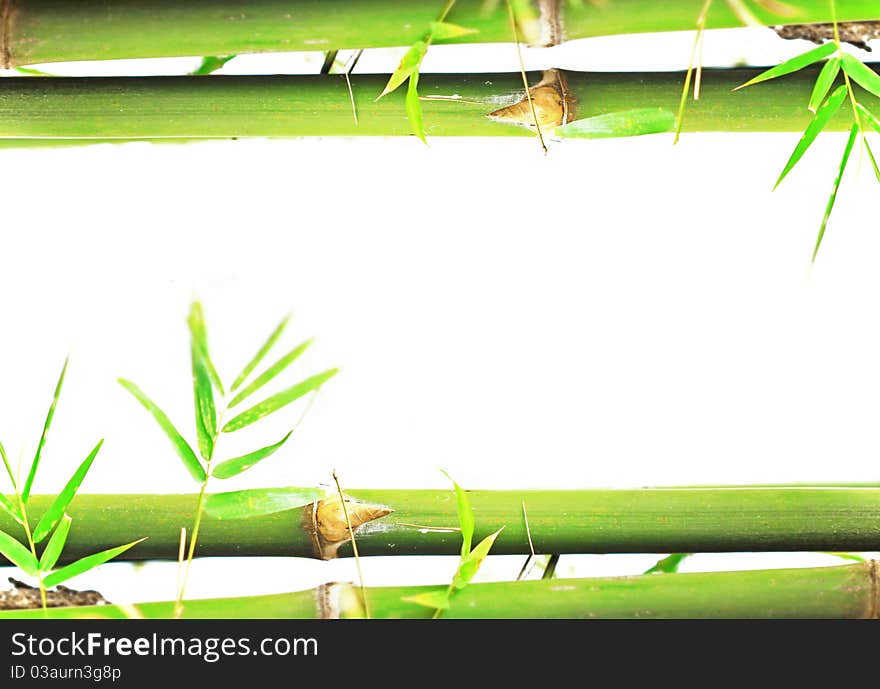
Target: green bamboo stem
<point x="36" y="108"/>
<point x="424" y="522"/>
<point x="848" y="591"/>
<point x="41" y="31"/>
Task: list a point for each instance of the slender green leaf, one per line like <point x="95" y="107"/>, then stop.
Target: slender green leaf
<point x="203" y="396"/>
<point x="55" y="545"/>
<point x="825" y="112"/>
<point x="26" y="492"/>
<point x="31" y="72"/>
<point x="59" y="504"/>
<point x="437" y="600"/>
<point x="271" y="372"/>
<point x="408" y="65"/>
<point x="873" y="120"/>
<point x="465" y="517"/>
<point x="444" y="31"/>
<point x="9" y="471"/>
<point x="794" y="64"/>
<point x="852" y="557"/>
<point x="414" y="107"/>
<point x="233" y="467"/>
<point x="826" y="78"/>
<point x="668" y="564"/>
<point x="860" y="73"/>
<point x="85" y="564"/>
<point x="210" y="64"/>
<point x="278" y="401"/>
<point x="241" y="504"/>
<point x="617" y="124"/>
<point x="828" y="208"/>
<point x="199" y="332"/>
<point x="184" y="451"/>
<point x="872" y="158"/>
<point x="261" y="353"/>
<point x="17" y="554"/>
<point x="469" y="564"/>
<point x="11" y="509"/>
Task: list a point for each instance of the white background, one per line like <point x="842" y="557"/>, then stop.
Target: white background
<point x="618" y="313"/>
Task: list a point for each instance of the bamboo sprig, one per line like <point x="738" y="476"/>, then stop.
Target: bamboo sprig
<point x="847" y="591"/>
<point x="212" y="402"/>
<point x="824" y="104"/>
<point x="54" y="523"/>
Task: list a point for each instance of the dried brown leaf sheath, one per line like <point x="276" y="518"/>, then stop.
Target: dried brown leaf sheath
<point x="325" y="521"/>
<point x="552" y="101"/>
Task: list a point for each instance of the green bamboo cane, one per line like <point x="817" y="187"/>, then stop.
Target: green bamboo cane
<point x="424" y="522"/>
<point x="848" y="591"/>
<point x="40" y="31"/>
<point x="34" y="108"/>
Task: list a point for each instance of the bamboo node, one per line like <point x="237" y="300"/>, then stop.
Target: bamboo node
<point x="5" y="30"/>
<point x="551" y="23"/>
<point x="874" y="575"/>
<point x="551" y="98"/>
<point x="337" y="600"/>
<point x="327" y="525"/>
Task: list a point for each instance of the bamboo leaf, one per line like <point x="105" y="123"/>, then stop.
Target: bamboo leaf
<point x="184" y="451"/>
<point x="873" y="120"/>
<point x="55" y="545"/>
<point x="414" y="107"/>
<point x="278" y="401"/>
<point x="825" y="112"/>
<point x="11" y="509"/>
<point x="260" y="355"/>
<point x="852" y="557"/>
<point x="634" y="122"/>
<point x="271" y="372"/>
<point x="26" y="492"/>
<point x="469" y="564"/>
<point x="203" y="396"/>
<point x="823" y="83"/>
<point x="409" y="64"/>
<point x="793" y="65"/>
<point x="465" y="517"/>
<point x="210" y="64"/>
<point x="830" y="206"/>
<point x="872" y="158"/>
<point x="17" y="554"/>
<point x="31" y="72"/>
<point x="199" y="333"/>
<point x="59" y="505"/>
<point x="233" y="467"/>
<point x="85" y="564"/>
<point x="241" y="504"/>
<point x="443" y="31"/>
<point x="860" y="73"/>
<point x="668" y="564"/>
<point x="436" y="600"/>
<point x="8" y="467"/>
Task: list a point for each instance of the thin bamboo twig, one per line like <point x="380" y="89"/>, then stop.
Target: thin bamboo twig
<point x="569" y="521"/>
<point x="847" y="591"/>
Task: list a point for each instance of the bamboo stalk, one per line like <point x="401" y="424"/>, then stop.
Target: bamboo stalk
<point x="424" y="522"/>
<point x="41" y="31"/>
<point x="129" y="108"/>
<point x="848" y="591"/>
